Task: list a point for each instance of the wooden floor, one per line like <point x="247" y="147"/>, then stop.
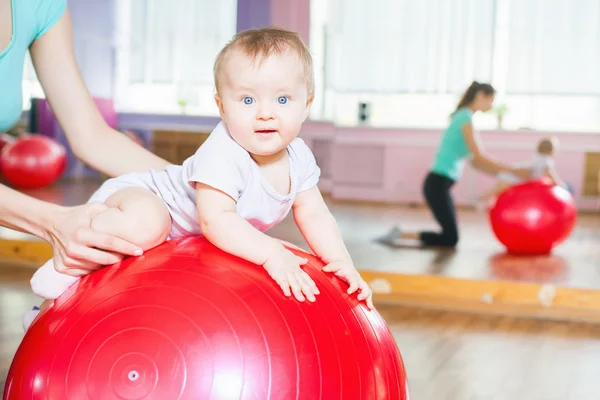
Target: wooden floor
<point x="448" y="356"/>
<point x="575" y="263"/>
<point x="478" y="275"/>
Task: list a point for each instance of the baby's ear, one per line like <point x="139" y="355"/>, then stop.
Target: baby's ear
<point x="219" y="104"/>
<point x="307" y="109"/>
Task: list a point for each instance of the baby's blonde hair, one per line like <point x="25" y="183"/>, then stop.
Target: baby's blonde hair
<point x="547" y="145"/>
<point x="263" y="42"/>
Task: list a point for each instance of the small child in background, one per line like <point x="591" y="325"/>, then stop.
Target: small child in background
<point x="542" y="165"/>
<point x="248" y="175"/>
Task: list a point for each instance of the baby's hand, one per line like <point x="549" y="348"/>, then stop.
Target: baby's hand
<point x="284" y="267"/>
<point x="346" y="271"/>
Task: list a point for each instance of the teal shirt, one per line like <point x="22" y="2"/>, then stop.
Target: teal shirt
<point x="453" y="150"/>
<point x="30" y="20"/>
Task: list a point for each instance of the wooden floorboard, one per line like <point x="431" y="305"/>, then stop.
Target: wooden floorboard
<point x="457" y="356"/>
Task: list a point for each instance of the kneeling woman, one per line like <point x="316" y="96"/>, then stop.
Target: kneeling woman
<point x="458" y="143"/>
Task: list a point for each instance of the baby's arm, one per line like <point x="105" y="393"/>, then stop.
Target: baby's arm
<point x="553" y="175"/>
<point x="231" y="233"/>
<point x="320" y="229"/>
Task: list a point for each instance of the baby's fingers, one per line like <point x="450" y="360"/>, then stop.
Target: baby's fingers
<point x="366" y="294"/>
<point x="309" y="288"/>
<point x="285" y="286"/>
<point x="370" y="302"/>
<point x="330" y="268"/>
<point x="312" y="284"/>
<point x="353" y="285"/>
<point x="363" y="290"/>
<point x="295" y="286"/>
<point x="302" y="260"/>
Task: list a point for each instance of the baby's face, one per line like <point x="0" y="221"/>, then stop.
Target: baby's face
<point x="263" y="105"/>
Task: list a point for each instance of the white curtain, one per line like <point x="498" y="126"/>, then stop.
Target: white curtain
<point x="409" y="46"/>
<point x="554" y="47"/>
<point x="176" y="42"/>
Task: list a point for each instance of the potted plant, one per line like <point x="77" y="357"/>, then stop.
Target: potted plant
<point x="182" y="104"/>
<point x="500" y="110"/>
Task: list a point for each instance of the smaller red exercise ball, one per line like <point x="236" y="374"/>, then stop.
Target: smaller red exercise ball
<point x="4" y="140"/>
<point x="533" y="217"/>
<point x="33" y="161"/>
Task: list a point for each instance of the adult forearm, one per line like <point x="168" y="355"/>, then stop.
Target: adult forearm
<point x="114" y="154"/>
<point x="24" y="213"/>
<point x="490" y="166"/>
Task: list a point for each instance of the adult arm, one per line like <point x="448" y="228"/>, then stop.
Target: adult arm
<point x="483" y="162"/>
<point x="67" y="229"/>
<point x="91" y="139"/>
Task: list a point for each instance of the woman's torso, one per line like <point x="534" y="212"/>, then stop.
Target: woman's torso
<point x="453" y="150"/>
<point x="29" y="19"/>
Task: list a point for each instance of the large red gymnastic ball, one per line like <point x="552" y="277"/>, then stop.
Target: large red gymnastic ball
<point x="188" y="321"/>
<point x="5" y="139"/>
<point x="533" y="217"/>
<point x="33" y="161"/>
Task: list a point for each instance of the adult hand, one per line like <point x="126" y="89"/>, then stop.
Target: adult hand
<point x="78" y="249"/>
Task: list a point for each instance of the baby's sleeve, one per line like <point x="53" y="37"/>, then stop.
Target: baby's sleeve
<point x="310" y="171"/>
<point x="220" y="165"/>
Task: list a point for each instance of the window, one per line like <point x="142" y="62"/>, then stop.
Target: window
<point x="551" y="62"/>
<point x="166" y="51"/>
<point x="411" y="60"/>
<point x="164" y="54"/>
<point x="31" y="85"/>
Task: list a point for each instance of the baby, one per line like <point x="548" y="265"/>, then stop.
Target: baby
<point x="542" y="165"/>
<point x="246" y="177"/>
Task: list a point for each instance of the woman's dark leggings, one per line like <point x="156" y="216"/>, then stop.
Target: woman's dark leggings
<point x="437" y="193"/>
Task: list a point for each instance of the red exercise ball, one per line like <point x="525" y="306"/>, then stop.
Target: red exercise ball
<point x="188" y="321"/>
<point x="33" y="161"/>
<point x="533" y="217"/>
<point x="4" y="140"/>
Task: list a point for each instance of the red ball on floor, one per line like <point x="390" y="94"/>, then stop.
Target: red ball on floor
<point x="5" y="139"/>
<point x="33" y="161"/>
<point x="533" y="217"/>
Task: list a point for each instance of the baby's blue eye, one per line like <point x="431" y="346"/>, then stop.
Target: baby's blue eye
<point x="248" y="100"/>
<point x="282" y="100"/>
